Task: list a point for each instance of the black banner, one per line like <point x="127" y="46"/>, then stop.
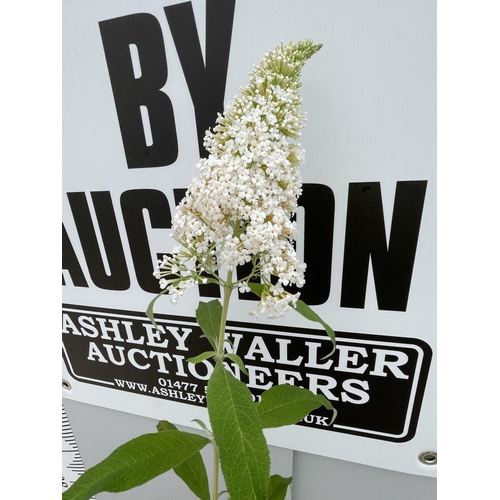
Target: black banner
<point x="375" y="382"/>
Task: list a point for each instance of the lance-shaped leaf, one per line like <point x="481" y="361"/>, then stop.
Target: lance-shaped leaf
<point x="136" y="462"/>
<point x="256" y="288"/>
<point x="277" y="487"/>
<point x="192" y="471"/>
<point x="201" y="357"/>
<point x="243" y="451"/>
<point x="302" y="308"/>
<point x="237" y="360"/>
<point x="149" y="310"/>
<point x="287" y="404"/>
<point x="208" y="316"/>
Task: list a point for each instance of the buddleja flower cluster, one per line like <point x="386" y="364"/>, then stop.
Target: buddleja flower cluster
<point x="238" y="209"/>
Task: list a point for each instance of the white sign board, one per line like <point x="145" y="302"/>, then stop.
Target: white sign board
<point x="142" y="81"/>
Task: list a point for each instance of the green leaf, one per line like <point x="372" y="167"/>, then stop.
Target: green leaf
<point x="208" y="316"/>
<point x="149" y="310"/>
<point x="136" y="462"/>
<point x="201" y="357"/>
<point x="278" y="486"/>
<point x="243" y="451"/>
<point x="287" y="404"/>
<point x="302" y="308"/>
<point x="256" y="288"/>
<point x="165" y="425"/>
<point x="192" y="471"/>
<point x="236" y="359"/>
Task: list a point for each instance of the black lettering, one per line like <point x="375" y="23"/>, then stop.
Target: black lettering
<point x="118" y="279"/>
<point x="70" y="261"/>
<point x="319" y="210"/>
<point x="132" y="91"/>
<point x="206" y="81"/>
<point x="179" y="194"/>
<point x="133" y="203"/>
<point x="366" y="238"/>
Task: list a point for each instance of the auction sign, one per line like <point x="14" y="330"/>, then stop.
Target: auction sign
<point x="142" y="82"/>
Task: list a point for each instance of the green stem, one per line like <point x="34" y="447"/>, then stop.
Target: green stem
<point x="215" y="485"/>
<point x="228" y="288"/>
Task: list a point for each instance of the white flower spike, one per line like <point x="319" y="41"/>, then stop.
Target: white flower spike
<point x="238" y="209"/>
